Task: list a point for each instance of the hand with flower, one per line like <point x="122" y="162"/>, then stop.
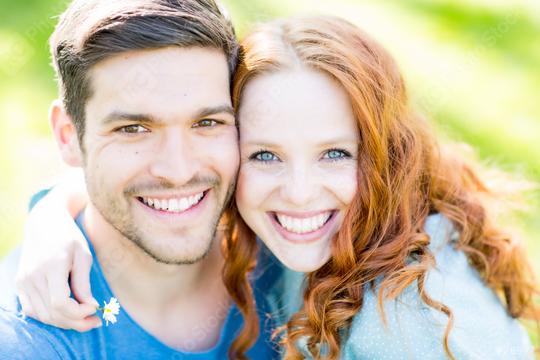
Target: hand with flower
<point x="110" y="311"/>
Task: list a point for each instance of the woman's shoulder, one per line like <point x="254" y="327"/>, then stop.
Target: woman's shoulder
<point x="482" y="328"/>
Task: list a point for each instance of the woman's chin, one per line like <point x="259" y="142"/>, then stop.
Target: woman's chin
<point x="303" y="262"/>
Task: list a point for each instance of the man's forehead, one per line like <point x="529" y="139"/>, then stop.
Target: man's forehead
<point x="161" y="81"/>
<point x="142" y="67"/>
<point x="154" y="58"/>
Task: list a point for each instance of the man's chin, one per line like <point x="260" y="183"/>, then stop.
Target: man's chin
<point x="178" y="260"/>
<point x="171" y="256"/>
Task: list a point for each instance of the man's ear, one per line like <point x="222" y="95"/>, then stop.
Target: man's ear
<point x="65" y="134"/>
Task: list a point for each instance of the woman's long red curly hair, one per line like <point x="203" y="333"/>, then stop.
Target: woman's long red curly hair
<point x="403" y="176"/>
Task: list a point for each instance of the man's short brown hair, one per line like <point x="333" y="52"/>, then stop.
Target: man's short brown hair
<point x="90" y="31"/>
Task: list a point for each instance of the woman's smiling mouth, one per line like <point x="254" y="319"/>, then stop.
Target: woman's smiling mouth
<point x="302" y="227"/>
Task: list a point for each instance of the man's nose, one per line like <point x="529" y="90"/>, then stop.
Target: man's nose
<point x="175" y="160"/>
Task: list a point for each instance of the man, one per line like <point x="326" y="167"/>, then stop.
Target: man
<point x="146" y="112"/>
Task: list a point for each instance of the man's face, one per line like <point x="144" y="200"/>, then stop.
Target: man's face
<point x="161" y="150"/>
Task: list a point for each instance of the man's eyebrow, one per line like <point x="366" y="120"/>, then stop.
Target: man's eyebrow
<point x="123" y="116"/>
<point x="212" y="110"/>
<point x="149" y="119"/>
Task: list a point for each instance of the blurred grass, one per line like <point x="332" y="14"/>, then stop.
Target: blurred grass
<point x="473" y="66"/>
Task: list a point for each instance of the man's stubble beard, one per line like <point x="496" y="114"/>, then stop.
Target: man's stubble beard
<point x="123" y="223"/>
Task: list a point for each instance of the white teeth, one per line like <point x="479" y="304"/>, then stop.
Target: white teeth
<point x="303" y="225"/>
<point x="313" y="223"/>
<point x="175" y="204"/>
<point x="287" y="223"/>
<point x="297" y="224"/>
<point x="184" y="204"/>
<point x="306" y="224"/>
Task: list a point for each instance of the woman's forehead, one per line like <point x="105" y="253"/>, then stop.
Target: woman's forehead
<point x="294" y="101"/>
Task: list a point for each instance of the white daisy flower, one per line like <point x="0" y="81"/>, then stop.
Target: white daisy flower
<point x="110" y="311"/>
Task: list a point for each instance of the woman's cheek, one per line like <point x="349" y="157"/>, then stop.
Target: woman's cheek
<point x="250" y="188"/>
<point x="343" y="183"/>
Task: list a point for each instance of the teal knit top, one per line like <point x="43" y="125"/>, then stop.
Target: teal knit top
<point x="482" y="328"/>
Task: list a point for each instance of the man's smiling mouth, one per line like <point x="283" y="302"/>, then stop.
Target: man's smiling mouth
<point x="173" y="204"/>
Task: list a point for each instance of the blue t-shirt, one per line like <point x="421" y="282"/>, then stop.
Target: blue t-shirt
<point x="26" y="338"/>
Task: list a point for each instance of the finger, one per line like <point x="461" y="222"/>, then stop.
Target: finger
<point x="86" y="326"/>
<point x="80" y="277"/>
<point x="26" y="305"/>
<point x="60" y="302"/>
<point x="89" y="323"/>
<point x="38" y="304"/>
<point x="58" y="286"/>
<point x="47" y="314"/>
<point x="80" y="325"/>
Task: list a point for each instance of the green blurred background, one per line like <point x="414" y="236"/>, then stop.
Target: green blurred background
<point x="473" y="67"/>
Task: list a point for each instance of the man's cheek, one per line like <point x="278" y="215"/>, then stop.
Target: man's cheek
<point x="128" y="158"/>
<point x="224" y="158"/>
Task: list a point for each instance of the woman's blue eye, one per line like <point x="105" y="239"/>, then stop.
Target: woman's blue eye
<point x="264" y="156"/>
<point x="336" y="154"/>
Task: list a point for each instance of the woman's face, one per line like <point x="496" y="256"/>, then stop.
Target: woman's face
<point x="299" y="147"/>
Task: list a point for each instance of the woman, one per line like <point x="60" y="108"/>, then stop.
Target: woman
<point x="343" y="182"/>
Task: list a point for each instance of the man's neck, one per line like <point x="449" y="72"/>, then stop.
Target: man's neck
<point x="159" y="295"/>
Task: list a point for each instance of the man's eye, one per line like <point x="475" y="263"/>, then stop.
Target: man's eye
<point x="336" y="154"/>
<point x="206" y="123"/>
<point x="132" y="129"/>
<point x="264" y="156"/>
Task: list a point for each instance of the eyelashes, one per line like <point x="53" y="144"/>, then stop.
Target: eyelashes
<point x="337" y="154"/>
<point x="207" y="123"/>
<point x="133" y="129"/>
<point x="266" y="157"/>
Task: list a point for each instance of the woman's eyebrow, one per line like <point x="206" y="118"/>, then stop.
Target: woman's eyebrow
<point x="339" y="140"/>
<point x="324" y="143"/>
<point x="262" y="143"/>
